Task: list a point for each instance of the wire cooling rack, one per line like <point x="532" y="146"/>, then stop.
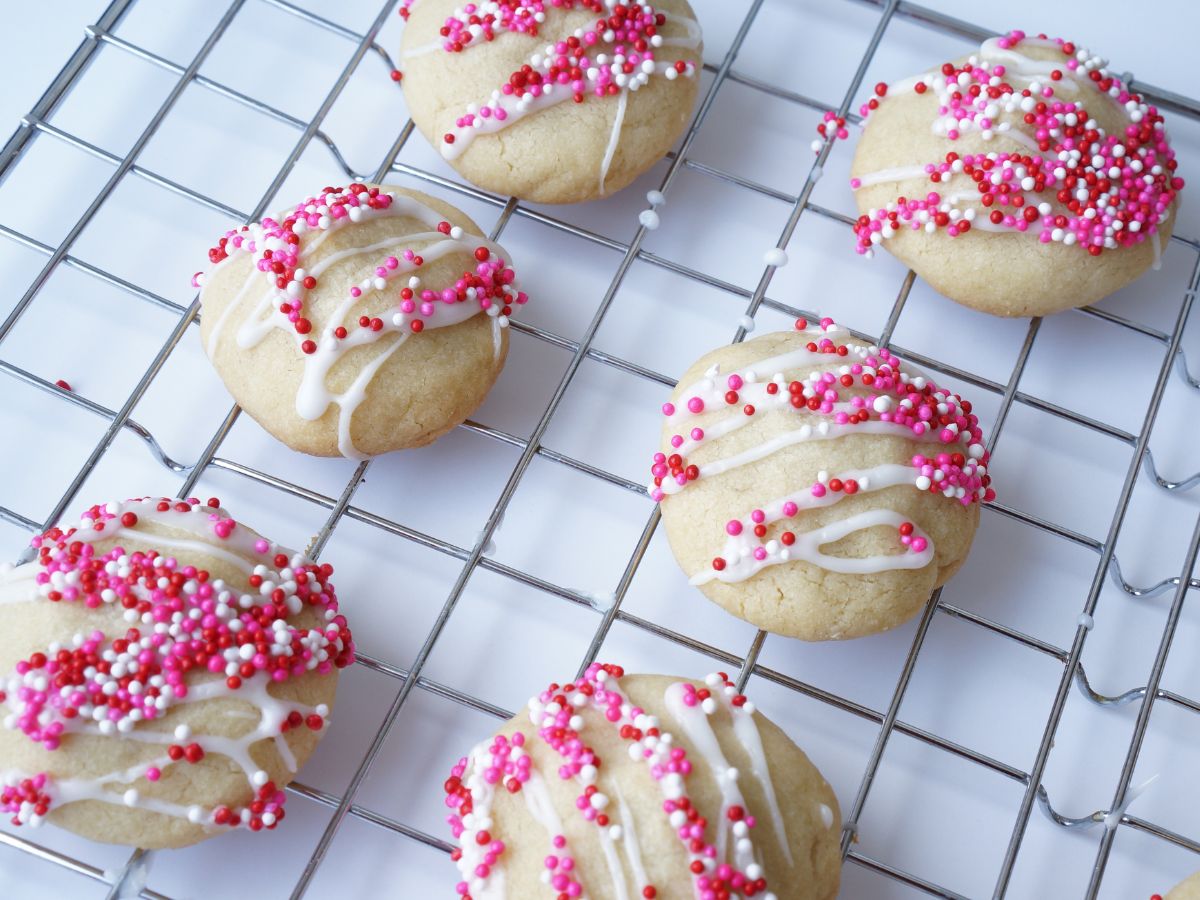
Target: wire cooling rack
<point x="941" y="738"/>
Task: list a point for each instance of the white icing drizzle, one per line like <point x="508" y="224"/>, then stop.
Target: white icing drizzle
<point x="803" y="434"/>
<point x="12" y="579"/>
<point x="633" y="849"/>
<point x="350" y="399"/>
<point x="614" y="139"/>
<point x="271" y="715"/>
<point x="741" y="563"/>
<point x="72" y="790"/>
<point x="694" y="720"/>
<point x="497" y="338"/>
<point x="480" y="819"/>
<point x="214" y="336"/>
<point x="745" y="729"/>
<point x="615" y="871"/>
<point x="540" y="804"/>
<point x="314" y="396"/>
<point x="161" y="541"/>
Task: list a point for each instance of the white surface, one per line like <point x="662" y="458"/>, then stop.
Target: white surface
<point x="929" y="813"/>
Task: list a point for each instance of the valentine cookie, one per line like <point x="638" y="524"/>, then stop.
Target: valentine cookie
<point x="164" y="673"/>
<point x="365" y="319"/>
<point x="617" y="787"/>
<point x="1024" y="180"/>
<point x="815" y="487"/>
<point x="553" y="102"/>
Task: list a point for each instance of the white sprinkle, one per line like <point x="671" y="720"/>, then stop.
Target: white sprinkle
<point x="775" y="257"/>
<point x="648" y="218"/>
<point x="655" y="198"/>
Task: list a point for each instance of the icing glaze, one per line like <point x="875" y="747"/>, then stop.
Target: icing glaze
<point x="613" y="56"/>
<point x="628" y="828"/>
<point x="747" y="733"/>
<point x="181" y="624"/>
<point x="1071" y="182"/>
<point x="729" y="867"/>
<point x="847" y="389"/>
<point x="274" y="295"/>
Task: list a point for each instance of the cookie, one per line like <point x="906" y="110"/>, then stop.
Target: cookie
<point x="552" y="102"/>
<point x="1021" y="181"/>
<point x="813" y="486"/>
<point x="366" y="319"/>
<point x="164" y="672"/>
<point x="618" y="787"/>
<point x="1189" y="889"/>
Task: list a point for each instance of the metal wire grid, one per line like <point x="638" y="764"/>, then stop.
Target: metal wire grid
<point x="1174" y="365"/>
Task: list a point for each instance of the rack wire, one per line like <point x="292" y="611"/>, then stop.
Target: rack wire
<point x="472" y="558"/>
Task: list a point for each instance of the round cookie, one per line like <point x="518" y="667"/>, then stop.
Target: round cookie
<point x="552" y="102"/>
<point x="1024" y="180"/>
<point x="643" y="786"/>
<point x="366" y="319"/>
<point x="811" y="486"/>
<point x="164" y="672"/>
<point x="1188" y="889"/>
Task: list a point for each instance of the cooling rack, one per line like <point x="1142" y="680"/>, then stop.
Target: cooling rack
<point x="1006" y="742"/>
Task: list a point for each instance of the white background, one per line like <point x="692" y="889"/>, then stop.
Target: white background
<point x="930" y="813"/>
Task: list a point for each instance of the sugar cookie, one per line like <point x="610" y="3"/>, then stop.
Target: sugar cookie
<point x="813" y="487"/>
<point x="619" y="787"/>
<point x="1024" y="180"/>
<point x="366" y="319"/>
<point x="554" y="101"/>
<point x="164" y="672"/>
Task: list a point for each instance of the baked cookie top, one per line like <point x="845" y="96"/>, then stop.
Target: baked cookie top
<point x="328" y="292"/>
<point x="848" y="388"/>
<point x="176" y="633"/>
<point x="573" y="98"/>
<point x="620" y="786"/>
<point x="1081" y="159"/>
